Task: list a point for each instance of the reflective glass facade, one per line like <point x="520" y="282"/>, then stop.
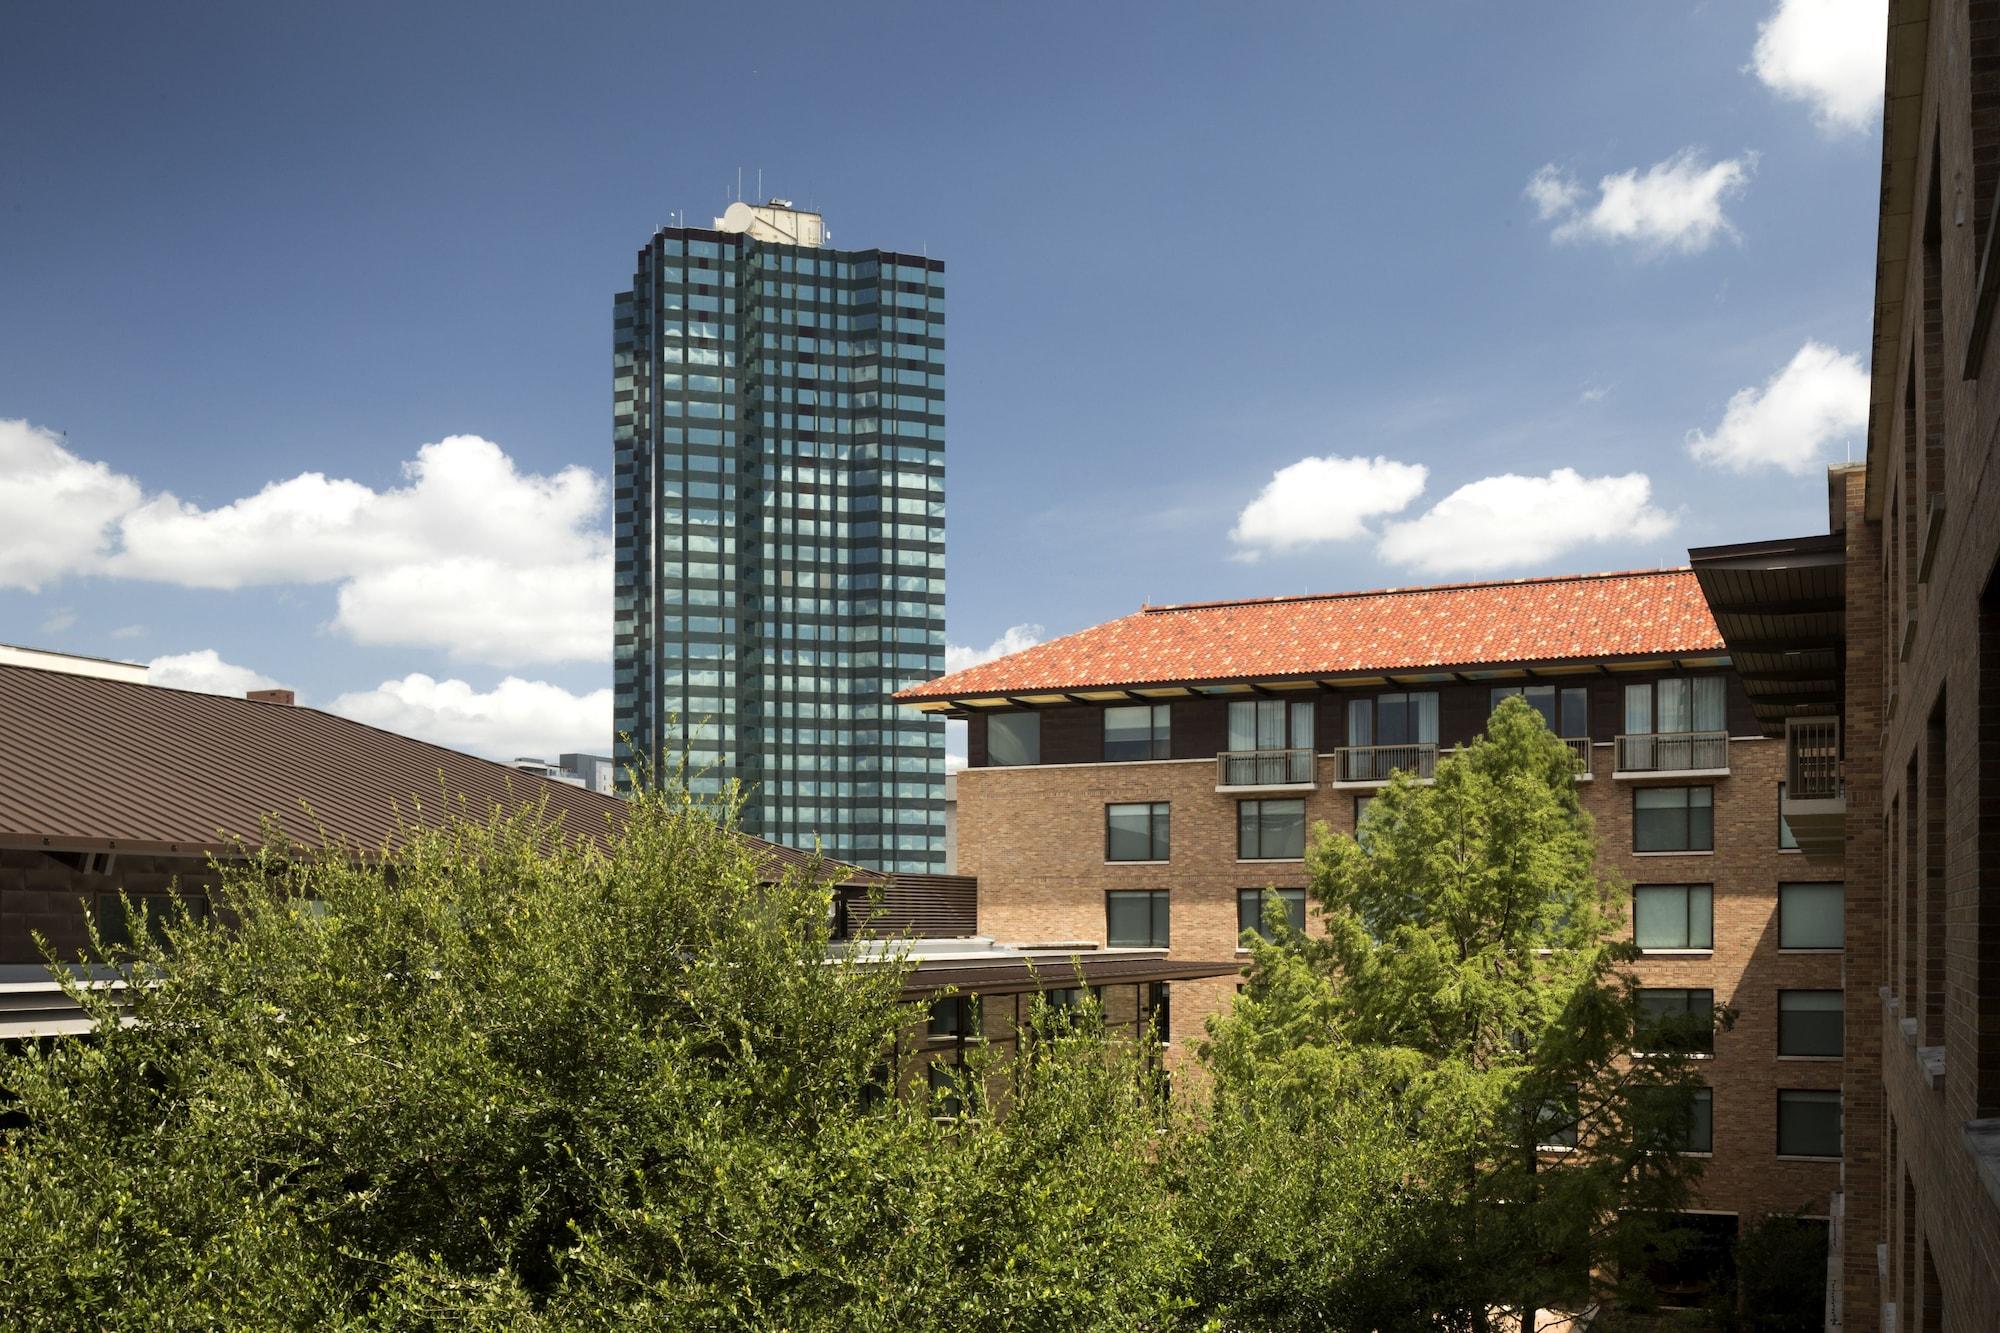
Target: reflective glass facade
<point x="778" y="446"/>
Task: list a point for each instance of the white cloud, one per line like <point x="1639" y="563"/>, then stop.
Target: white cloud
<point x="955" y="742"/>
<point x="1672" y="205"/>
<point x="206" y="672"/>
<point x="1510" y="521"/>
<point x="1327" y="499"/>
<point x="58" y="620"/>
<point x="958" y="656"/>
<point x="471" y="555"/>
<point x="55" y="508"/>
<point x="515" y="719"/>
<point x="129" y="632"/>
<point x="1819" y="397"/>
<point x="1828" y="54"/>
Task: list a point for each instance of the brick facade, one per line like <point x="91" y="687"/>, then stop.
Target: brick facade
<point x="1035" y="838"/>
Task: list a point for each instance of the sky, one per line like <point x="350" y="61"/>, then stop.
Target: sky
<point x="305" y="310"/>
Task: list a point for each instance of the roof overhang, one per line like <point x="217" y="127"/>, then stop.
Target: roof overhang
<point x="1782" y="607"/>
<point x="965" y="704"/>
<point x="1020" y="975"/>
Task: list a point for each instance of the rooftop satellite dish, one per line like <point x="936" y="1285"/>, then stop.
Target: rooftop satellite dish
<point x="737" y="217"/>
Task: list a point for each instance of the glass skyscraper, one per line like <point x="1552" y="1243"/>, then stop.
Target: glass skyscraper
<point x="778" y="455"/>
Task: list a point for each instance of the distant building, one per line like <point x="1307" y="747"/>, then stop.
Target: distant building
<point x="596" y="772"/>
<point x="70" y="664"/>
<point x="778" y="463"/>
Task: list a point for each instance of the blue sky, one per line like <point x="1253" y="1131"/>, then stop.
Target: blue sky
<point x="1190" y="249"/>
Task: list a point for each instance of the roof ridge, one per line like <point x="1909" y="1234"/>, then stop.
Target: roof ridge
<point x="1413" y="589"/>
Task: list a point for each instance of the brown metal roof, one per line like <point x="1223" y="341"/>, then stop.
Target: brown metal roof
<point x="925" y="907"/>
<point x="999" y="978"/>
<point x="93" y="764"/>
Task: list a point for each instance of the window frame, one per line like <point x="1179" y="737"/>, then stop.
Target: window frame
<point x="1289" y="896"/>
<point x="1159" y="832"/>
<point x="1687" y="819"/>
<point x="1839" y="1010"/>
<point x="1652" y="689"/>
<point x="1813" y="1097"/>
<point x="1558" y="701"/>
<point x="1687" y="915"/>
<point x="1014" y="716"/>
<point x="1159" y="918"/>
<point x="1159" y="732"/>
<point x="1260" y="802"/>
<point x="1646" y="1042"/>
<point x="1373" y="703"/>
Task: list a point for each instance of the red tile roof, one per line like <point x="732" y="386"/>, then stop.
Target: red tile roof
<point x="1578" y="617"/>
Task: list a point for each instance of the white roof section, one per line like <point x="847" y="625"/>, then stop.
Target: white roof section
<point x="104" y="668"/>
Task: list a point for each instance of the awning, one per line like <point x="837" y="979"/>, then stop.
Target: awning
<point x="1782" y="608"/>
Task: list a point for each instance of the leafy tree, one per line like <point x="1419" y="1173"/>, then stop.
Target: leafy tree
<point x="1467" y="1006"/>
<point x="507" y="1078"/>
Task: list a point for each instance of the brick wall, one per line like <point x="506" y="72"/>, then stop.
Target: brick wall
<point x="1034" y="837"/>
<point x="43" y="893"/>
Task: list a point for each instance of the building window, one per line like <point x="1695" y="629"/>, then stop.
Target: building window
<point x="1136" y="832"/>
<point x="1698" y="1134"/>
<point x="1138" y="731"/>
<point x="1673" y="819"/>
<point x="1270" y="830"/>
<point x="1250" y="910"/>
<point x="1666" y="707"/>
<point x="1808" y="1123"/>
<point x="1270" y="724"/>
<point x="1809" y="1022"/>
<point x="1809" y="915"/>
<point x="156" y="910"/>
<point x="1136" y="918"/>
<point x="1676" y="1019"/>
<point x="951" y="1016"/>
<point x="1555" y="1122"/>
<point x="1786" y="842"/>
<point x="1566" y="710"/>
<point x="1685" y="1117"/>
<point x="1013" y="738"/>
<point x="1673" y="916"/>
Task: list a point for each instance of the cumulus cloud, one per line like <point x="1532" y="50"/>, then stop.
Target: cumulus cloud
<point x="1828" y="54"/>
<point x="205" y="671"/>
<point x="958" y="656"/>
<point x="1509" y="521"/>
<point x="56" y="509"/>
<point x="515" y="719"/>
<point x="1329" y="499"/>
<point x="1789" y="422"/>
<point x="1676" y="204"/>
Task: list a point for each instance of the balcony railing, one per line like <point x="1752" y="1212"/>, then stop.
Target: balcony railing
<point x="1374" y="763"/>
<point x="1264" y="768"/>
<point x="1812" y="759"/>
<point x="1674" y="752"/>
<point x="1579" y="746"/>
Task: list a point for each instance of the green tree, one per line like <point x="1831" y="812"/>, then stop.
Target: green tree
<point x="1467" y="1007"/>
<point x="508" y="1078"/>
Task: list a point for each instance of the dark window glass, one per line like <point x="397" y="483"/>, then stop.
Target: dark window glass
<point x="1136" y="918"/>
<point x="951" y="1016"/>
<point x="157" y="910"/>
<point x="947" y="1089"/>
<point x="1809" y="915"/>
<point x="1013" y="738"/>
<point x="1250" y="910"/>
<point x="1809" y="1022"/>
<point x="1138" y="731"/>
<point x="1676" y="1019"/>
<point x="1673" y="819"/>
<point x="1137" y="832"/>
<point x="1270" y="830"/>
<point x="1555" y="1122"/>
<point x="1808" y="1124"/>
<point x="1673" y="916"/>
<point x="1686" y="1117"/>
<point x="1786" y="842"/>
<point x="1565" y="711"/>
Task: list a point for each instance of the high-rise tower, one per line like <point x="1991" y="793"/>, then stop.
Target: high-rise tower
<point x="778" y="454"/>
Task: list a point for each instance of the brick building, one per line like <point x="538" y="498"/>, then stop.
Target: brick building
<point x="1142" y="781"/>
<point x="1895" y="731"/>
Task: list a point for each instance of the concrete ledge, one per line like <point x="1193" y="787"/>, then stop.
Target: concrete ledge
<point x="1982" y="1140"/>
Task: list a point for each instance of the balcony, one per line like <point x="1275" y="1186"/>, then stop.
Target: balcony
<point x="1372" y="765"/>
<point x="1678" y="754"/>
<point x="1265" y="770"/>
<point x="1815" y="804"/>
<point x="1579" y="746"/>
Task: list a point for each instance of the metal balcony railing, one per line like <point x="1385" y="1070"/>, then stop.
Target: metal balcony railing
<point x="1374" y="763"/>
<point x="1264" y="768"/>
<point x="1812" y="759"/>
<point x="1674" y="752"/>
<point x="1579" y="746"/>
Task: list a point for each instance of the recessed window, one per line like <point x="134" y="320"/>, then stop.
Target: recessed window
<point x="1136" y="832"/>
<point x="1390" y="732"/>
<point x="1566" y="710"/>
<point x="951" y="1016"/>
<point x="1013" y="738"/>
<point x="1808" y="1123"/>
<point x="1673" y="819"/>
<point x="1676" y="1019"/>
<point x="1809" y="915"/>
<point x="1685" y="1117"/>
<point x="1809" y="1022"/>
<point x="1673" y="916"/>
<point x="1555" y="1122"/>
<point x="1786" y="842"/>
<point x="1138" y="731"/>
<point x="157" y="910"/>
<point x="1698" y="1134"/>
<point x="1261" y="733"/>
<point x="1665" y="707"/>
<point x="1136" y="918"/>
<point x="1250" y="910"/>
<point x="1270" y="830"/>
